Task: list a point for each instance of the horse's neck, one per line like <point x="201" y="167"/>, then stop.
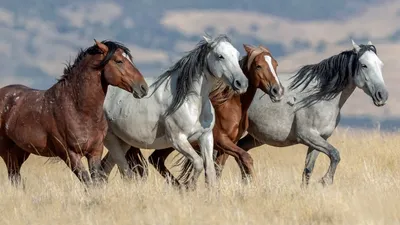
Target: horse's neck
<point x="86" y="91"/>
<point x="346" y="93"/>
<point x="203" y="86"/>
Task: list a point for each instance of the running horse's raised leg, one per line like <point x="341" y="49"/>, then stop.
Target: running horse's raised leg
<point x="245" y="144"/>
<point x="318" y="143"/>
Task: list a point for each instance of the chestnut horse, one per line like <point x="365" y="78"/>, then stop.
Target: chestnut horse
<point x="231" y="116"/>
<point x="67" y="120"/>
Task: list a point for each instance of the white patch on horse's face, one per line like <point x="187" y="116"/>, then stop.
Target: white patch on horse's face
<point x="226" y="58"/>
<point x="224" y="63"/>
<point x="268" y="59"/>
<point x="127" y="57"/>
<point x="371" y="70"/>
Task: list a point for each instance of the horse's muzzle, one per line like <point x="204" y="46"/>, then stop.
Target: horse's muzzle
<point x="140" y="90"/>
<point x="276" y="92"/>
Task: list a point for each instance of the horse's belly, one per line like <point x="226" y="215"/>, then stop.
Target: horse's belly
<point x="272" y="133"/>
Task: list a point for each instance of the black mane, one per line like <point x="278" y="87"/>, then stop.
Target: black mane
<point x="189" y="68"/>
<point x="93" y="50"/>
<point x="332" y="74"/>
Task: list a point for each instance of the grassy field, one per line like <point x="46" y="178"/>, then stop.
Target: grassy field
<point x="366" y="191"/>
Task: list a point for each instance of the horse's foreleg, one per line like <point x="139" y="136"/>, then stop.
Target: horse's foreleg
<point x="137" y="162"/>
<point x="312" y="155"/>
<point x="244" y="160"/>
<point x="182" y="145"/>
<point x="157" y="159"/>
<point x="73" y="160"/>
<point x="116" y="154"/>
<point x="94" y="161"/>
<point x="320" y="144"/>
<point x="246" y="143"/>
<point x="206" y="143"/>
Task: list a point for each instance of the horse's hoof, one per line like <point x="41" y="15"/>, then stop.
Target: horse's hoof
<point x="326" y="181"/>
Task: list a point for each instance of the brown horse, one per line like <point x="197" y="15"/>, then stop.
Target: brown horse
<point x="67" y="120"/>
<point x="231" y="116"/>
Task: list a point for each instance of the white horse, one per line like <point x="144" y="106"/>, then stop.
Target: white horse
<point x="177" y="112"/>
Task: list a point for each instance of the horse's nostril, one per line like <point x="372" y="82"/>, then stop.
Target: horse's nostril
<point x="238" y="84"/>
<point x="379" y="96"/>
<point x="143" y="88"/>
<point x="274" y="91"/>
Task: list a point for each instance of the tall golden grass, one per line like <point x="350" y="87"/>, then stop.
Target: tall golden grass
<point x="366" y="191"/>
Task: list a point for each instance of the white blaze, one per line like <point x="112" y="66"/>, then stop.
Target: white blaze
<point x="127" y="57"/>
<point x="268" y="59"/>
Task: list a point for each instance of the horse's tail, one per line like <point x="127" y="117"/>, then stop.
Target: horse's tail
<point x="186" y="168"/>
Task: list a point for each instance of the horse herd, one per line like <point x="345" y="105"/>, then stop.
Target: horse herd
<point x="209" y="100"/>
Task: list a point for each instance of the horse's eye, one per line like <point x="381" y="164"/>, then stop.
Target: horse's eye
<point x="118" y="61"/>
<point x="364" y="66"/>
<point x="258" y="67"/>
<point x="220" y="57"/>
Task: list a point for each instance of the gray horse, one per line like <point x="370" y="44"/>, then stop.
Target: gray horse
<point x="310" y="110"/>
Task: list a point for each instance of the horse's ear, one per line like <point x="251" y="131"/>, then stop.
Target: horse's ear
<point x="102" y="46"/>
<point x="208" y="39"/>
<point x="369" y="43"/>
<point x="248" y="48"/>
<point x="356" y="48"/>
<point x="264" y="48"/>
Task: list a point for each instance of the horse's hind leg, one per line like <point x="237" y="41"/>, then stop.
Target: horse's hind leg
<point x="14" y="158"/>
<point x="312" y="155"/>
<point x="137" y="162"/>
<point x="157" y="159"/>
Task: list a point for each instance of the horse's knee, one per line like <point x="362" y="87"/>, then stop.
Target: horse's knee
<point x="198" y="164"/>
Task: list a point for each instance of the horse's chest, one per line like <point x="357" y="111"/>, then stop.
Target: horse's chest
<point x="193" y="121"/>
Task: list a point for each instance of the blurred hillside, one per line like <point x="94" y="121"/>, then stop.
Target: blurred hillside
<point x="38" y="37"/>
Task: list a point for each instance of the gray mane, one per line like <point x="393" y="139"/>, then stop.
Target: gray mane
<point x="189" y="68"/>
<point x="332" y="75"/>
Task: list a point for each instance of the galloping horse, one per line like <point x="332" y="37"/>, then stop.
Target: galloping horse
<point x="177" y="112"/>
<point x="310" y="110"/>
<point x="66" y="120"/>
<point x="231" y="115"/>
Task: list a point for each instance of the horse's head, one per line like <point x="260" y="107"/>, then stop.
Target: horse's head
<point x="223" y="63"/>
<point x="262" y="74"/>
<point x="369" y="73"/>
<point x="118" y="69"/>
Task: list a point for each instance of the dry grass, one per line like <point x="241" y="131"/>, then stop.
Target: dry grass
<point x="366" y="191"/>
